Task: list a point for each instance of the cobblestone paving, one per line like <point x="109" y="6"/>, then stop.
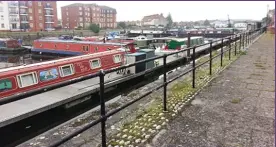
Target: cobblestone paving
<point x="235" y="110"/>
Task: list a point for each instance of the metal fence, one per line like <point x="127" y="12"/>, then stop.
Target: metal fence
<point x="244" y="39"/>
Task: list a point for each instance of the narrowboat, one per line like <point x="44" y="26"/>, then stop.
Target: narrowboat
<point x="73" y="47"/>
<point x="25" y="78"/>
<point x="180" y="43"/>
<point x="8" y="45"/>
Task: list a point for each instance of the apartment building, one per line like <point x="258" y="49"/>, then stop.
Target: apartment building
<point x="82" y="15"/>
<point x="28" y="15"/>
<point x="4" y="16"/>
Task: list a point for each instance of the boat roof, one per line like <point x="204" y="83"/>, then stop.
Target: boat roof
<point x="6" y="39"/>
<point x="61" y="60"/>
<point x="83" y="42"/>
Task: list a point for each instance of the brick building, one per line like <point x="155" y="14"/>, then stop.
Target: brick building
<point x="82" y="15"/>
<point x="29" y="15"/>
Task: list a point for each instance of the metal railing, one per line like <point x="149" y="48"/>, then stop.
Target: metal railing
<point x="244" y="39"/>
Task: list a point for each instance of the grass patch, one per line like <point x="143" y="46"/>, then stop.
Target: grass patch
<point x="235" y="100"/>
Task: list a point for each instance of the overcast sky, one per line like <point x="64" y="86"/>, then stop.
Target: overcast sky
<point x="184" y="10"/>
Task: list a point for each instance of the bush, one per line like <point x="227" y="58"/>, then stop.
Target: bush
<point x="94" y="28"/>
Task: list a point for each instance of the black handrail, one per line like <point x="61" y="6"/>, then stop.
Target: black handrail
<point x="250" y="36"/>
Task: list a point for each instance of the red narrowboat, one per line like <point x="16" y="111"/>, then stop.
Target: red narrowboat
<point x="73" y="47"/>
<point x="21" y="79"/>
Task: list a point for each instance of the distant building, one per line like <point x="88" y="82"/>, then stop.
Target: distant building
<point x="154" y="20"/>
<point x="240" y="25"/>
<point x="28" y="15"/>
<point x="133" y="23"/>
<point x="82" y="15"/>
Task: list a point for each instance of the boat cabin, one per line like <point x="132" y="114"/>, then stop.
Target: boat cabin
<point x="73" y="47"/>
<point x="9" y="43"/>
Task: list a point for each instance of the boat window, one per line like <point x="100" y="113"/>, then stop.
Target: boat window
<point x="5" y="85"/>
<point x="96" y="49"/>
<point x="117" y="58"/>
<point x="85" y="48"/>
<point x="108" y="49"/>
<point x="47" y="75"/>
<point x="40" y="45"/>
<point x="66" y="70"/>
<point x="67" y="46"/>
<point x="28" y="79"/>
<point x="95" y="63"/>
<point x="55" y="46"/>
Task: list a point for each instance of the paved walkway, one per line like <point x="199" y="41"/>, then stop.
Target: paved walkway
<point x="235" y="110"/>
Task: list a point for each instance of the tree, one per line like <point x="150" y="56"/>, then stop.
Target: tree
<point x="266" y="20"/>
<point x="94" y="28"/>
<point x="206" y="23"/>
<point x="169" y="20"/>
<point x="122" y="25"/>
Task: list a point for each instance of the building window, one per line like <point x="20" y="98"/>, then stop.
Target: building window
<point x="40" y="17"/>
<point x="67" y="18"/>
<point x="39" y="3"/>
<point x="48" y="75"/>
<point x="14" y="26"/>
<point x="66" y="70"/>
<point x="30" y="3"/>
<point x="80" y="18"/>
<point x="31" y="25"/>
<point x="28" y="79"/>
<point x="88" y="14"/>
<point x="40" y="25"/>
<point x="5" y="84"/>
<point x="2" y="25"/>
<point x="80" y="8"/>
<point x="95" y="63"/>
<point x="66" y="13"/>
<point x="30" y="10"/>
<point x="31" y="18"/>
<point x="94" y="14"/>
<point x="2" y="17"/>
<point x="1" y="9"/>
<point x="39" y="10"/>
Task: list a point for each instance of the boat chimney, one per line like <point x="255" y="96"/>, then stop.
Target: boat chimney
<point x="104" y="39"/>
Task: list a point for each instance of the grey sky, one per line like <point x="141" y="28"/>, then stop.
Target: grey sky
<point x="184" y="10"/>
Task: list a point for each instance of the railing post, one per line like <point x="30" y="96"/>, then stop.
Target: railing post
<point x="221" y="52"/>
<point x="230" y="39"/>
<point x="240" y="41"/>
<point x="243" y="40"/>
<point x="188" y="45"/>
<point x="194" y="67"/>
<point x="102" y="103"/>
<point x="248" y="38"/>
<point x="165" y="83"/>
<point x="210" y="64"/>
<point x="235" y="45"/>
